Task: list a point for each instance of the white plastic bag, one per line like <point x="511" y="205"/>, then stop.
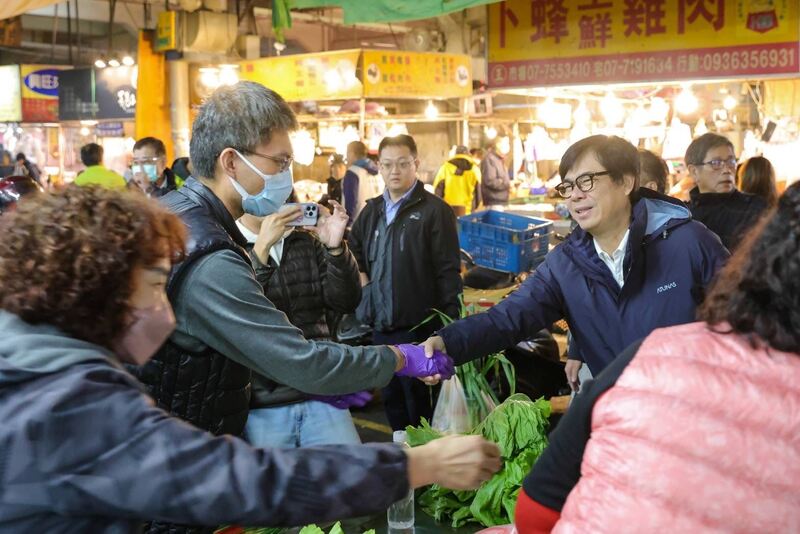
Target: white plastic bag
<point x="452" y="414"/>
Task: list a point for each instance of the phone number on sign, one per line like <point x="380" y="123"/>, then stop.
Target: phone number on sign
<point x="709" y="63"/>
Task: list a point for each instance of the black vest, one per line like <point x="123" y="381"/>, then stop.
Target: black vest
<point x="206" y="389"/>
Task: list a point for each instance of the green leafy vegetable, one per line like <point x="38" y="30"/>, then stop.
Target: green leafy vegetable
<point x="519" y="427"/>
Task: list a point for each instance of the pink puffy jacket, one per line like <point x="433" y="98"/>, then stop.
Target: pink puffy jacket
<point x="701" y="433"/>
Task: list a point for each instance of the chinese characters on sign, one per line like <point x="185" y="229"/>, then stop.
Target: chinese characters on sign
<point x="590" y="41"/>
<point x="40" y="93"/>
<point x="416" y="74"/>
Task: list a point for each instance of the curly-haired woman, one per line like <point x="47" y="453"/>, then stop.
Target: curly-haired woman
<point x="83" y="449"/>
<point x="696" y="429"/>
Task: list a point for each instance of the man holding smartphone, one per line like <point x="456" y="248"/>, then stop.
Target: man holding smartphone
<point x="312" y="279"/>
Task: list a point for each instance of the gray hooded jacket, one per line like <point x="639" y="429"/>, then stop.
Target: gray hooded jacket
<point x="83" y="449"/>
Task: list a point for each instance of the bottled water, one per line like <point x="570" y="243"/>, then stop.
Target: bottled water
<point x="400" y="515"/>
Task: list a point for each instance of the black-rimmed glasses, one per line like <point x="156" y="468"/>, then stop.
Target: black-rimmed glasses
<point x="584" y="183"/>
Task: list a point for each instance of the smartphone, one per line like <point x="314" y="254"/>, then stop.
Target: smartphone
<point x="309" y="216"/>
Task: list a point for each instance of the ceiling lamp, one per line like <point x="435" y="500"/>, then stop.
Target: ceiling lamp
<point x="730" y="102"/>
<point x="686" y="103"/>
<point x="491" y="132"/>
<point x="113" y="62"/>
<point x="431" y="112"/>
<point x="612" y="109"/>
<point x="99" y="63"/>
<point x="128" y="61"/>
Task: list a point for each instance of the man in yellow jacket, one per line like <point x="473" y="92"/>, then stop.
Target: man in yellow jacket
<point x="95" y="173"/>
<point x="458" y="182"/>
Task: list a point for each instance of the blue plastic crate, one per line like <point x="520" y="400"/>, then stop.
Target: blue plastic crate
<point x="504" y="241"/>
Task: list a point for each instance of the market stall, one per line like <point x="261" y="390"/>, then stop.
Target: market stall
<point x="359" y="94"/>
<point x="657" y="78"/>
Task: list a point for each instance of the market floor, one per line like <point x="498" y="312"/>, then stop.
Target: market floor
<point x="371" y="422"/>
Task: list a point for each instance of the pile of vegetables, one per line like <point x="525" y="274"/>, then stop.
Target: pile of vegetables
<point x="310" y="529"/>
<point x="519" y="427"/>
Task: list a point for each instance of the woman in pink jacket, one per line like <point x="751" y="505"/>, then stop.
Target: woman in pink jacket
<point x="697" y="428"/>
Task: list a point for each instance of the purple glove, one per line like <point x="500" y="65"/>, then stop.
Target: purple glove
<point x="343" y="402"/>
<point x="418" y="366"/>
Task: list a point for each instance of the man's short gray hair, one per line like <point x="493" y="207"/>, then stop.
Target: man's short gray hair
<point x="240" y="116"/>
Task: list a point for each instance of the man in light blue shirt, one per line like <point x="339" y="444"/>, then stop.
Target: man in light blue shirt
<point x="406" y="245"/>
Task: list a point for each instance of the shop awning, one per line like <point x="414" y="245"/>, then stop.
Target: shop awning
<point x="386" y="10"/>
<point x="12" y="8"/>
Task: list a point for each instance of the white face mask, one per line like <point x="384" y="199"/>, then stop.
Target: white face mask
<point x="277" y="188"/>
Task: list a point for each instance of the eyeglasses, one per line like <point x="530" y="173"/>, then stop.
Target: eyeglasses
<point x="717" y="164"/>
<point x="145" y="161"/>
<point x="283" y="163"/>
<point x="387" y="166"/>
<point x="584" y="183"/>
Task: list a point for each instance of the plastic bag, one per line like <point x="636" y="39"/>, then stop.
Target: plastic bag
<point x="452" y="414"/>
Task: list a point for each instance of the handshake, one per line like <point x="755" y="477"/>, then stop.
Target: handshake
<point x="418" y="365"/>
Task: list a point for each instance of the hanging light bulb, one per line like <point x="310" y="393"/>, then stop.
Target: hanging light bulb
<point x="491" y="132"/>
<point x="228" y="75"/>
<point x="686" y="103"/>
<point x="431" y="112"/>
<point x="659" y="109"/>
<point x="128" y="61"/>
<point x="113" y="62"/>
<point x="730" y="102"/>
<point x="612" y="109"/>
<point x="582" y="115"/>
<point x="84" y="131"/>
<point x="99" y="63"/>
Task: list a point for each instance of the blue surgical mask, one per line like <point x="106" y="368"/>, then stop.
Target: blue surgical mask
<point x="277" y="188"/>
<point x="151" y="171"/>
<point x="148" y="169"/>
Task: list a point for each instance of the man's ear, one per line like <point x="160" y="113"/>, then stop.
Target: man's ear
<point x="227" y="161"/>
<point x="629" y="181"/>
<point x="692" y="171"/>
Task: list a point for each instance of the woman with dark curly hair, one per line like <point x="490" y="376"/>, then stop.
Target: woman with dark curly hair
<point x="696" y="428"/>
<point x="83" y="449"/>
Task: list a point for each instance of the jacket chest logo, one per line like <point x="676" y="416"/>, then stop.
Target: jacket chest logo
<point x="416" y="216"/>
<point x="667" y="287"/>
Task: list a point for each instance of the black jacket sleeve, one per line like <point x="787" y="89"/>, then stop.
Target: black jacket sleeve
<point x="446" y="256"/>
<point x="558" y="469"/>
<point x="341" y="285"/>
<point x="356" y="240"/>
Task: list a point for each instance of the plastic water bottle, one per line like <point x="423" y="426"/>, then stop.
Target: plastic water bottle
<point x="400" y="515"/>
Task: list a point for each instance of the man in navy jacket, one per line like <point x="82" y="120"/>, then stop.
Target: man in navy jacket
<point x="637" y="262"/>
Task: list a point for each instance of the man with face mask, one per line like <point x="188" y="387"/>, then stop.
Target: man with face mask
<point x="149" y="168"/>
<point x="242" y="163"/>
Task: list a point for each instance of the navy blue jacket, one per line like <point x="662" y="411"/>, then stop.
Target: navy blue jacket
<point x="669" y="261"/>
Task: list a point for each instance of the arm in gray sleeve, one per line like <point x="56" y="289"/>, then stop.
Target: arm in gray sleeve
<point x="145" y="464"/>
<point x="222" y="305"/>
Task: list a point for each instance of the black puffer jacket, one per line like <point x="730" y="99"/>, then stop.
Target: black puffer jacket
<point x="311" y="287"/>
<point x="206" y="389"/>
<point x="729" y="215"/>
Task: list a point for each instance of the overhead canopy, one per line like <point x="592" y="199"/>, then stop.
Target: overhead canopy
<point x="12" y="8"/>
<point x="380" y="10"/>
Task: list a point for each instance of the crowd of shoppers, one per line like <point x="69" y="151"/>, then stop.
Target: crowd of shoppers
<point x="187" y="322"/>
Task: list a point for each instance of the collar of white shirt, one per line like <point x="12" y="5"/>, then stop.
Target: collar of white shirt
<point x="616" y="260"/>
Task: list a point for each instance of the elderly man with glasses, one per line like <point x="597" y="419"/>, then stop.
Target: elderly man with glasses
<point x="636" y="262"/>
<point x="406" y="245"/>
<point x="715" y="201"/>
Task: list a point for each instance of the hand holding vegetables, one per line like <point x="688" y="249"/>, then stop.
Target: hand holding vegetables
<point x="418" y="365"/>
<point x="455" y="462"/>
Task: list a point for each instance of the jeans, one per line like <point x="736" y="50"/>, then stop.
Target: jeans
<point x="303" y="424"/>
<point x="406" y="400"/>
